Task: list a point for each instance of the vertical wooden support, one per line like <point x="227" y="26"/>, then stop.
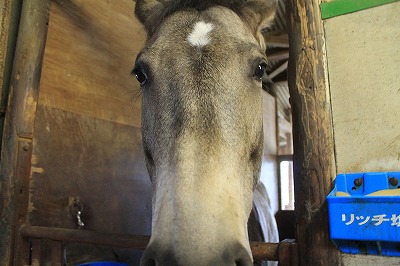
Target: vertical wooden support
<point x="288" y="254"/>
<point x="56" y="253"/>
<point x="9" y="20"/>
<point x="21" y="200"/>
<point x="19" y="122"/>
<point x="36" y="252"/>
<point x="314" y="161"/>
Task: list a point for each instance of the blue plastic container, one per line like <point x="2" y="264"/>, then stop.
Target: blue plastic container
<point x="362" y="224"/>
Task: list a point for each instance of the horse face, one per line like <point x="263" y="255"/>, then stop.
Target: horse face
<point x="200" y="75"/>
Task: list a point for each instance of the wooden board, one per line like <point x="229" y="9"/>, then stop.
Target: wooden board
<point x="369" y="260"/>
<point x="8" y="32"/>
<point x="87" y="140"/>
<point x="18" y="125"/>
<point x="364" y="65"/>
<point x="90" y="51"/>
<point x="100" y="162"/>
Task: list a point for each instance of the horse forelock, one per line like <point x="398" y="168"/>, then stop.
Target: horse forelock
<point x="170" y="7"/>
<point x="199" y="37"/>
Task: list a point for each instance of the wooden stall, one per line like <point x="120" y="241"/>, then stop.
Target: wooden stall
<point x="71" y="154"/>
<point x="72" y="141"/>
<point x="344" y="89"/>
<point x="72" y="166"/>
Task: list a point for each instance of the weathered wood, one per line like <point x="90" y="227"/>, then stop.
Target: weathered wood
<point x="86" y="237"/>
<point x="56" y="253"/>
<point x="265" y="251"/>
<point x="20" y="116"/>
<point x="36" y="252"/>
<point x="314" y="163"/>
<point x="87" y="138"/>
<point x="20" y="250"/>
<point x="90" y="51"/>
<point x="288" y="253"/>
<point x="260" y="250"/>
<point x="9" y="17"/>
<point x="21" y="188"/>
<point x="99" y="161"/>
<point x="368" y="260"/>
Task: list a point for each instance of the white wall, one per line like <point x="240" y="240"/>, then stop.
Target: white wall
<point x="363" y="52"/>
<point x="364" y="73"/>
<point x="269" y="167"/>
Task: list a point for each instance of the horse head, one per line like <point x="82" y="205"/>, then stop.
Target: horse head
<point x="200" y="74"/>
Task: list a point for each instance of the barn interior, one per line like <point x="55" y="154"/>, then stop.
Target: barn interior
<point x="79" y="151"/>
<point x="86" y="141"/>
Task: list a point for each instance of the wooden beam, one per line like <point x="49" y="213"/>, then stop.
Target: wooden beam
<point x="9" y="17"/>
<point x="277" y="56"/>
<point x="314" y="162"/>
<point x="19" y="122"/>
<point x="278" y="70"/>
<point x="281" y="41"/>
<point x="260" y="250"/>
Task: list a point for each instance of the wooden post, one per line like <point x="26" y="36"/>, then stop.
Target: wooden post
<point x="314" y="161"/>
<point x="19" y="122"/>
<point x="9" y="18"/>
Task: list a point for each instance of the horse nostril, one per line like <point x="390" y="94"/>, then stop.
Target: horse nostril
<point x="241" y="262"/>
<point x="156" y="254"/>
<point x="237" y="255"/>
<point x="149" y="257"/>
<point x="148" y="262"/>
<point x="244" y="261"/>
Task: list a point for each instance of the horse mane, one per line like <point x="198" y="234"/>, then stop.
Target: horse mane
<point x="152" y="21"/>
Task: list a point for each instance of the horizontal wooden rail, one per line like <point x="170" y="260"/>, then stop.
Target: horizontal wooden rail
<point x="85" y="237"/>
<point x="260" y="250"/>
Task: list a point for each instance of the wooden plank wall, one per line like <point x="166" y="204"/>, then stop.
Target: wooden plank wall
<point x="18" y="126"/>
<point x="87" y="140"/>
<point x="9" y="18"/>
<point x="90" y="52"/>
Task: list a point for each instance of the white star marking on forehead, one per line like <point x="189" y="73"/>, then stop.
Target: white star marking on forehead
<point x="199" y="36"/>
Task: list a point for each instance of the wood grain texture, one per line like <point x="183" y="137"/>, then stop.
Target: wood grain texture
<point x="91" y="49"/>
<point x="8" y="32"/>
<point x="314" y="164"/>
<point x="260" y="250"/>
<point x="99" y="161"/>
<point x="87" y="141"/>
<point x="19" y="121"/>
<point x="369" y="260"/>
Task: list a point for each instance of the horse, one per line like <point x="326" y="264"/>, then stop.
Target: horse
<point x="200" y="74"/>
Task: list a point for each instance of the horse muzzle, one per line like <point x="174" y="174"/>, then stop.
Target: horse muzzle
<point x="233" y="255"/>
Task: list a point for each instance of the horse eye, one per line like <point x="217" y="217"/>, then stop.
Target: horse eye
<point x="260" y="70"/>
<point x="140" y="75"/>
